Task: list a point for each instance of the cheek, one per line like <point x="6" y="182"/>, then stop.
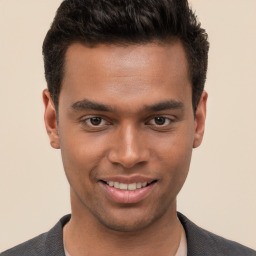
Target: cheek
<point x="175" y="156"/>
<point x="80" y="148"/>
<point x="176" y="147"/>
<point x="80" y="155"/>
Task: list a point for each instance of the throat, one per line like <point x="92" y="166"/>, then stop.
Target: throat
<point x="155" y="240"/>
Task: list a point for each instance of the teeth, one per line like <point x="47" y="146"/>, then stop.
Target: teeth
<point x="138" y="185"/>
<point x="132" y="186"/>
<point x="123" y="186"/>
<point x="116" y="184"/>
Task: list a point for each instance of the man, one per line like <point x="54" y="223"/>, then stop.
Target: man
<point x="126" y="106"/>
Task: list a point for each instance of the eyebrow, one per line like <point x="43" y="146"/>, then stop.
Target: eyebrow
<point x="165" y="105"/>
<point x="86" y="104"/>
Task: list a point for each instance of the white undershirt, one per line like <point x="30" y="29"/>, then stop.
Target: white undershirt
<point x="66" y="252"/>
<point x="182" y="250"/>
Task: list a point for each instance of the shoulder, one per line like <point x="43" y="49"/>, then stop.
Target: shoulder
<point x="203" y="242"/>
<point x="49" y="243"/>
<point x="34" y="246"/>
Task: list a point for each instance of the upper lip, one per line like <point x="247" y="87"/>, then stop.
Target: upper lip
<point x="128" y="179"/>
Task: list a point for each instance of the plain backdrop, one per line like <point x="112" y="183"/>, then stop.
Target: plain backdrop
<point x="220" y="191"/>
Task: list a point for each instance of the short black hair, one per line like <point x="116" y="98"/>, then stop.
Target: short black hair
<point x="92" y="22"/>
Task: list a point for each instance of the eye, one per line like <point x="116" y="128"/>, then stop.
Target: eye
<point x="94" y="122"/>
<point x="160" y="121"/>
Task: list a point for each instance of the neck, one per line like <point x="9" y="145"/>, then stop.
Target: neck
<point x="85" y="235"/>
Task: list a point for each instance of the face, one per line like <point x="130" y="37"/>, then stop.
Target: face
<point x="126" y="131"/>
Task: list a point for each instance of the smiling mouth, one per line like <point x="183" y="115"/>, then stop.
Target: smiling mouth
<point x="128" y="187"/>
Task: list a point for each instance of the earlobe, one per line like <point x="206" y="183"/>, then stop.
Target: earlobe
<point x="50" y="119"/>
<point x="200" y="117"/>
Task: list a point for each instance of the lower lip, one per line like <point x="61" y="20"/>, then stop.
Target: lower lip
<point x="128" y="196"/>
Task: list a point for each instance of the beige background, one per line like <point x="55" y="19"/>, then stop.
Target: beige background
<point x="220" y="192"/>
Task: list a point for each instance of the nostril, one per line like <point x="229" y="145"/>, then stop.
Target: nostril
<point x="129" y="154"/>
<point x="126" y="160"/>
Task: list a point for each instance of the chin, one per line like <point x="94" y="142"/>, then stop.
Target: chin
<point x="127" y="220"/>
<point x="125" y="226"/>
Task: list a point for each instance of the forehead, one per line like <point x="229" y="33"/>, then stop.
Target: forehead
<point x="111" y="59"/>
<point x="125" y="72"/>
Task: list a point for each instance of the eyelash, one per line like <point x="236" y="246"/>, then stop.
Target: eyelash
<point x="87" y="122"/>
<point x="165" y="119"/>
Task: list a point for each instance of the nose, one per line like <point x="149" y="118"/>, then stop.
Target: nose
<point x="129" y="148"/>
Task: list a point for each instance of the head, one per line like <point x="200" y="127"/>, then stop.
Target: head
<point x="125" y="83"/>
<point x="125" y="22"/>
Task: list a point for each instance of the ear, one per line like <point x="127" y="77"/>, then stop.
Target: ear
<point x="200" y="117"/>
<point x="50" y="120"/>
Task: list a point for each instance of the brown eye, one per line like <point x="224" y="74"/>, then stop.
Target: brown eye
<point x="160" y="120"/>
<point x="95" y="121"/>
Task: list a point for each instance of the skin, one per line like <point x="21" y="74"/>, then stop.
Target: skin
<point x="127" y="140"/>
